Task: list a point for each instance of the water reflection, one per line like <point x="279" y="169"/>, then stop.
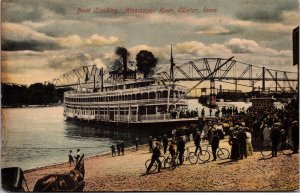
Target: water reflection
<point x="96" y="132"/>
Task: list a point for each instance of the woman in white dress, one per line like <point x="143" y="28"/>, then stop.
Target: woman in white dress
<point x="249" y="147"/>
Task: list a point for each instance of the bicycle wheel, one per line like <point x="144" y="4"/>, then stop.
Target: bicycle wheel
<point x="170" y="164"/>
<point x="286" y="148"/>
<point x="266" y="149"/>
<point x="205" y="156"/>
<point x="193" y="159"/>
<point x="154" y="166"/>
<point x="223" y="153"/>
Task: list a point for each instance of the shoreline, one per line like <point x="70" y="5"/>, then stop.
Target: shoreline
<point x="33" y="106"/>
<point x="56" y="165"/>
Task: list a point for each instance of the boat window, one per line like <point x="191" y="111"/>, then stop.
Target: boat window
<point x="145" y="96"/>
<point x="151" y="110"/>
<point x="152" y="95"/>
<point x="165" y="94"/>
<point x="138" y="96"/>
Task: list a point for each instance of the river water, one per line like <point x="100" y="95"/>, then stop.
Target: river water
<point x="35" y="137"/>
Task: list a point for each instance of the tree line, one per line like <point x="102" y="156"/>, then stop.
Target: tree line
<point x="14" y="95"/>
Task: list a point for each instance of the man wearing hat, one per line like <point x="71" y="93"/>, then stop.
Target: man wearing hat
<point x="275" y="138"/>
<point x="180" y="149"/>
<point x="197" y="141"/>
<point x="242" y="142"/>
<point x="155" y="157"/>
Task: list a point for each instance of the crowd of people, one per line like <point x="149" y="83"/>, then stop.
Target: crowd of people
<point x="185" y="113"/>
<point x="245" y="129"/>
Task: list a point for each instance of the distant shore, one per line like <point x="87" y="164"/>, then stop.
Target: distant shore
<point x="127" y="173"/>
<point x="34" y="106"/>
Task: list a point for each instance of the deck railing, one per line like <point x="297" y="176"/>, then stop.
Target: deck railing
<point x="120" y="92"/>
<point x="128" y="102"/>
<point x="132" y="118"/>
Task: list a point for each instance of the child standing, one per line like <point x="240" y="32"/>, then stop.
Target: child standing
<point x="71" y="160"/>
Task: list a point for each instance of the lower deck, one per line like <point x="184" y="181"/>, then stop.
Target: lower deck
<point x="166" y="125"/>
<point x="125" y="114"/>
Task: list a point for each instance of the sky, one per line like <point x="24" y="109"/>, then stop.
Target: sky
<point x="41" y="40"/>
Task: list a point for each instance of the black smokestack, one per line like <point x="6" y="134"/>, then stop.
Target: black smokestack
<point x="123" y="53"/>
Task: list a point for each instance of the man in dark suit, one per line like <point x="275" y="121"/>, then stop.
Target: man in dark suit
<point x="155" y="157"/>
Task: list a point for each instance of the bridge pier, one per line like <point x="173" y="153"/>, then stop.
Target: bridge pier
<point x="212" y="98"/>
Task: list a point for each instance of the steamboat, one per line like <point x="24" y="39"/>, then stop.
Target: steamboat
<point x="127" y="99"/>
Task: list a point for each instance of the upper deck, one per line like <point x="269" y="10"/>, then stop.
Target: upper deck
<point x="127" y="88"/>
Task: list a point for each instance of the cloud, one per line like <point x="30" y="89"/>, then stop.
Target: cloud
<point x="96" y="40"/>
<point x="239" y="46"/>
<point x="70" y="41"/>
<point x="160" y="53"/>
<point x="215" y="30"/>
<point x="289" y="17"/>
<point x="38" y="25"/>
<point x="191" y="49"/>
<point x="69" y="61"/>
<point x="18" y="11"/>
<point x="270" y="12"/>
<point x="199" y="49"/>
<point x="20" y="37"/>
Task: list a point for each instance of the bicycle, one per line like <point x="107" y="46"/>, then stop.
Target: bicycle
<point x="204" y="156"/>
<point x="284" y="146"/>
<point x="189" y="155"/>
<point x="166" y="162"/>
<point x="222" y="153"/>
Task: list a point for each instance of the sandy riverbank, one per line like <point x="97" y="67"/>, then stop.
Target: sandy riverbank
<point x="126" y="173"/>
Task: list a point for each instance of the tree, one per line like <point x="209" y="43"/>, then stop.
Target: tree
<point x="145" y="62"/>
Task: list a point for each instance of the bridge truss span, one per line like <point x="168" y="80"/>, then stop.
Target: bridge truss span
<point x="237" y="73"/>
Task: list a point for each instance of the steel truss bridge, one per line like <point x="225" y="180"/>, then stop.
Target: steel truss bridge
<point x="233" y="72"/>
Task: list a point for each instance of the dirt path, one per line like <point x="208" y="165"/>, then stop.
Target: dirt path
<point x="127" y="173"/>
